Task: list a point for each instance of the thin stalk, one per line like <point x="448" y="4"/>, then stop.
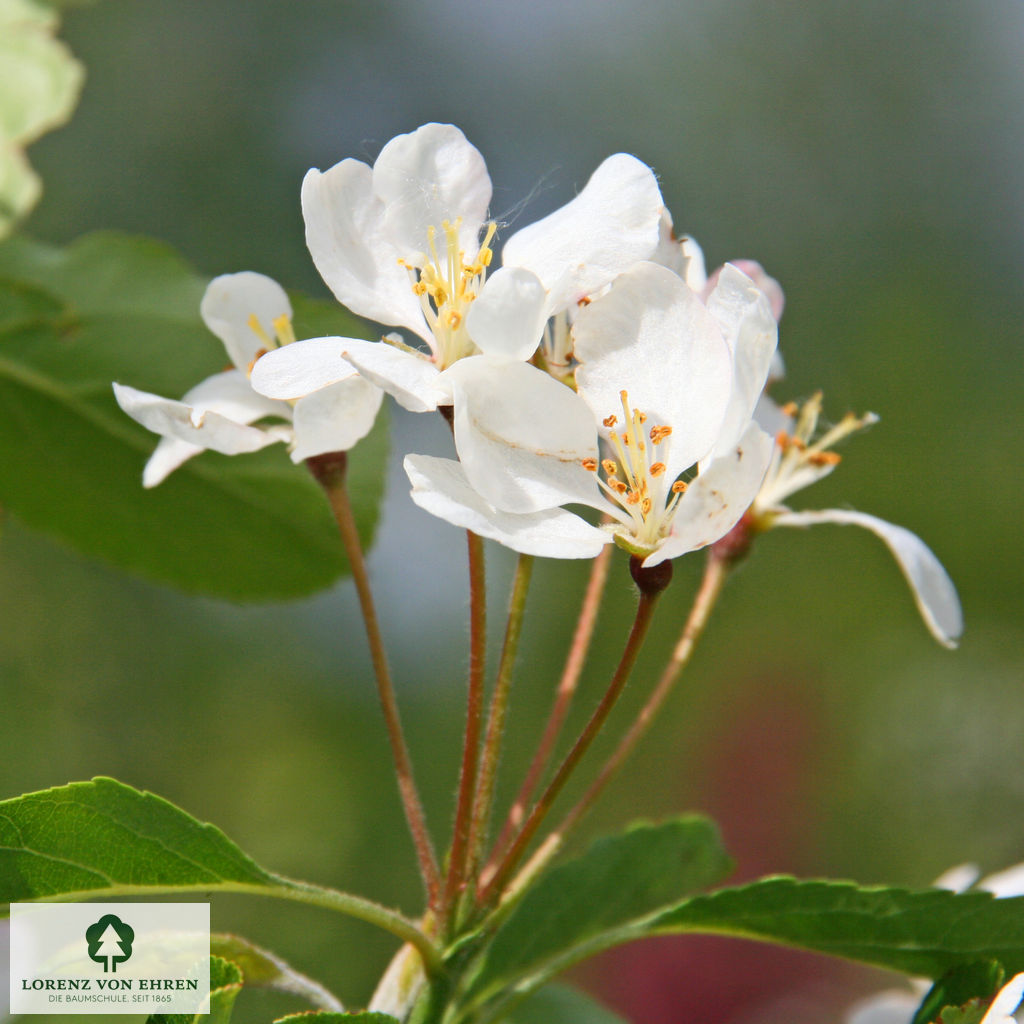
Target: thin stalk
<point x="457" y="858"/>
<point x="715" y="574"/>
<point x="644" y="613"/>
<point x="564" y="694"/>
<point x="496" y="717"/>
<point x="329" y="472"/>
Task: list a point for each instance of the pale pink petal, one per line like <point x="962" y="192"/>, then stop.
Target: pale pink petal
<point x="609" y="226"/>
<point x="651" y="336"/>
<point x="714" y="503"/>
<point x="440" y="487"/>
<point x="930" y="584"/>
<point x="427" y="177"/>
<point x="521" y="435"/>
<point x="508" y="317"/>
<point x="334" y="418"/>
<point x="229" y="303"/>
<point x="763" y="280"/>
<point x="350" y="245"/>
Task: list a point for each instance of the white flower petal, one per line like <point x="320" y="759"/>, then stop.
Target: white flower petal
<point x="299" y="369"/>
<point x="230" y="394"/>
<point x="439" y="486"/>
<point x="715" y="502"/>
<point x="411" y="379"/>
<point x="1006" y="1001"/>
<point x="892" y="1007"/>
<point x="208" y="429"/>
<point x="771" y="417"/>
<point x="683" y="256"/>
<point x="1006" y="883"/>
<point x="168" y="455"/>
<point x="521" y="435"/>
<point x="652" y="336"/>
<point x="348" y="240"/>
<point x="764" y="282"/>
<point x="751" y="332"/>
<point x="958" y="879"/>
<point x="229" y="303"/>
<point x="931" y="586"/>
<point x="334" y="418"/>
<point x="427" y="177"/>
<point x="609" y="226"/>
<point x="508" y="316"/>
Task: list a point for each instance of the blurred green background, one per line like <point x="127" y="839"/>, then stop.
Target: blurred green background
<point x="869" y="155"/>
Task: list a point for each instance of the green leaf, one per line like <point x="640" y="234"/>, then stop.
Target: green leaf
<point x="962" y="1015"/>
<point x="263" y="969"/>
<point x="103" y="838"/>
<point x="924" y="933"/>
<point x="39" y="86"/>
<point x="577" y="905"/>
<point x="560" y="1004"/>
<point x="956" y="988"/>
<point x="252" y="527"/>
<point x="225" y="984"/>
<point x="337" y="1018"/>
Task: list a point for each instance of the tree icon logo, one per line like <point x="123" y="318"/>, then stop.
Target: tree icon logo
<point x="110" y="942"/>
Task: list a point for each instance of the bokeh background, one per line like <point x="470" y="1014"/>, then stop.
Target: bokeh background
<point x="869" y="154"/>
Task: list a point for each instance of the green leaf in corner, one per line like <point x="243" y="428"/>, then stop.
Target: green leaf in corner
<point x="922" y="933"/>
<point x="253" y="527"/>
<point x="958" y="987"/>
<point x="104" y="839"/>
<point x="337" y="1018"/>
<point x="39" y="86"/>
<point x="263" y="969"/>
<point x="225" y="984"/>
<point x="573" y="909"/>
<point x="560" y="1004"/>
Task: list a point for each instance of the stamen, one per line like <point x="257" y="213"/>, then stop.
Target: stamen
<point x="610" y="467"/>
<point x="679" y="487"/>
<point x="255" y="358"/>
<point x="824" y="458"/>
<point x="257" y="328"/>
<point x="610" y="421"/>
<point x="658" y="468"/>
<point x="658" y="434"/>
<point x="284" y="330"/>
<point x="589" y="464"/>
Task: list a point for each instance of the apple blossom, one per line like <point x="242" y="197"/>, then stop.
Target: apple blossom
<point x="801" y="457"/>
<point x="665" y="381"/>
<point x="250" y="314"/>
<point x="406" y="243"/>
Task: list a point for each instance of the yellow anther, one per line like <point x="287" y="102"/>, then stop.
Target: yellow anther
<point x="419" y="288"/>
<point x="641" y="417"/>
<point x="824" y="458"/>
<point x="625" y="440"/>
<point x="645" y="506"/>
<point x="485" y="257"/>
<point x="589" y="464"/>
<point x="257" y="328"/>
<point x="782" y="439"/>
<point x="790" y="409"/>
<point x="610" y="421"/>
<point x="617" y="485"/>
<point x="252" y="363"/>
<point x="658" y="434"/>
<point x="678" y="487"/>
<point x="284" y="330"/>
<point x="633" y="498"/>
<point x="610" y="467"/>
<point x="657" y="468"/>
<point x="454" y="319"/>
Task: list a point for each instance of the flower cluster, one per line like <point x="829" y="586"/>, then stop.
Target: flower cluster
<point x="596" y="364"/>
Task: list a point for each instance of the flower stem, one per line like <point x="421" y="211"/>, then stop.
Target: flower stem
<point x="715" y="574"/>
<point x="498" y="711"/>
<point x="329" y="472"/>
<point x="458" y="857"/>
<point x="563" y="698"/>
<point x="492" y="888"/>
